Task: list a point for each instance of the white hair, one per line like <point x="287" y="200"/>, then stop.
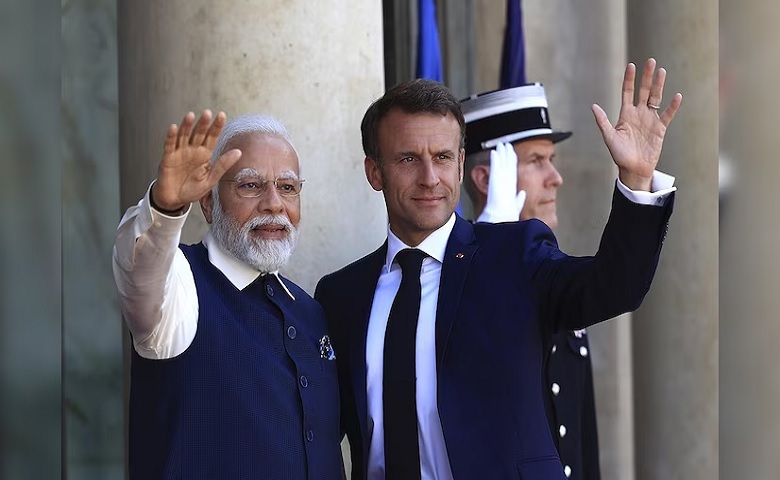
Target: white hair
<point x="252" y="124"/>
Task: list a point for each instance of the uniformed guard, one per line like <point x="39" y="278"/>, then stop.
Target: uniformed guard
<point x="233" y="370"/>
<point x="510" y="175"/>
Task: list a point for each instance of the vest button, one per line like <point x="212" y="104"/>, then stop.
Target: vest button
<point x="309" y="435"/>
<point x="269" y="290"/>
<point x="292" y="332"/>
<point x="304" y="381"/>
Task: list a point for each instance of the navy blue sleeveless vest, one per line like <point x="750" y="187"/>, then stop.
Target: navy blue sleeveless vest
<point x="255" y="396"/>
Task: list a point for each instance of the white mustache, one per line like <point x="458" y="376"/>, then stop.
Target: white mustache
<point x="262" y="220"/>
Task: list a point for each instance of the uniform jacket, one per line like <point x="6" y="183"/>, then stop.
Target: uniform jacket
<point x="571" y="408"/>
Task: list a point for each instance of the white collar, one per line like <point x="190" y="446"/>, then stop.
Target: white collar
<point x="237" y="272"/>
<point x="435" y="244"/>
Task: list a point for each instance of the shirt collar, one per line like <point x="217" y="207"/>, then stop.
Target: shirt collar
<point x="237" y="272"/>
<point x="435" y="244"/>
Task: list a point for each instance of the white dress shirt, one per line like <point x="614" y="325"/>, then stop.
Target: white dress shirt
<point x="434" y="460"/>
<point x="155" y="282"/>
<point x="433" y="452"/>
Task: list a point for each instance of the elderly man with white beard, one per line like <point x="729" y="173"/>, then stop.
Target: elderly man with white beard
<point x="233" y="373"/>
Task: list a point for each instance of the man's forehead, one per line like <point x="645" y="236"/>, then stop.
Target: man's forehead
<point x="271" y="145"/>
<point x="400" y="126"/>
<point x="535" y="146"/>
<point x="263" y="156"/>
<point x="404" y="116"/>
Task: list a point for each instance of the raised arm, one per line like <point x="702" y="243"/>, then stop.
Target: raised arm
<point x="155" y="284"/>
<point x="578" y="292"/>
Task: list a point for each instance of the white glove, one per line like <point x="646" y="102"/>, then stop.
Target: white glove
<point x="504" y="202"/>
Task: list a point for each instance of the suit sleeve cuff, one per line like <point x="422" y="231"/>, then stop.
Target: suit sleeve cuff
<point x="662" y="186"/>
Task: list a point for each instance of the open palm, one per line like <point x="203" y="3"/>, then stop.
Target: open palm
<point x="636" y="139"/>
<point x="186" y="174"/>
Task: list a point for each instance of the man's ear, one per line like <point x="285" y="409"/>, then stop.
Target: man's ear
<point x="461" y="164"/>
<point x="480" y="175"/>
<point x="374" y="174"/>
<point x="207" y="205"/>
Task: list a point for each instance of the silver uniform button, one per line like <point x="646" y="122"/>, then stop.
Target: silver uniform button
<point x="555" y="347"/>
<point x="562" y="431"/>
<point x="567" y="471"/>
<point x="556" y="388"/>
<point x="584" y="351"/>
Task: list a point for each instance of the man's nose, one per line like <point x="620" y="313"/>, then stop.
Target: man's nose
<point x="270" y="201"/>
<point x="554" y="178"/>
<point x="428" y="176"/>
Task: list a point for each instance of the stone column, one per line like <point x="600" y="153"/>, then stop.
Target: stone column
<point x="750" y="234"/>
<point x="488" y="24"/>
<point x="314" y="65"/>
<point x="578" y="52"/>
<point x="676" y="329"/>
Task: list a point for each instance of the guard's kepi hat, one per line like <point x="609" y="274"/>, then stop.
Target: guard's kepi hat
<point x="509" y="115"/>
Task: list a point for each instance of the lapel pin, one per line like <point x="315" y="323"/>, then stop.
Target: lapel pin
<point x="459" y="255"/>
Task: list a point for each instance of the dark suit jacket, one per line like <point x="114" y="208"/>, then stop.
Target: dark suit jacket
<point x="498" y="304"/>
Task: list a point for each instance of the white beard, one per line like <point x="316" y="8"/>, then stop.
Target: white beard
<point x="265" y="255"/>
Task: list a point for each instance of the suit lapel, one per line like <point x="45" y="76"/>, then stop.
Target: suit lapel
<point x="363" y="299"/>
<point x="461" y="248"/>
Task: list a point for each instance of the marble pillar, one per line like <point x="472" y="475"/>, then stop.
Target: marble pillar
<point x="676" y="329"/>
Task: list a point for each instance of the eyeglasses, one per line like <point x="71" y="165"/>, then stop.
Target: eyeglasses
<point x="254" y="187"/>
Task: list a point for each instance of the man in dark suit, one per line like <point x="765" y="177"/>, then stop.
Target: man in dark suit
<point x="440" y="366"/>
<point x="518" y="180"/>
